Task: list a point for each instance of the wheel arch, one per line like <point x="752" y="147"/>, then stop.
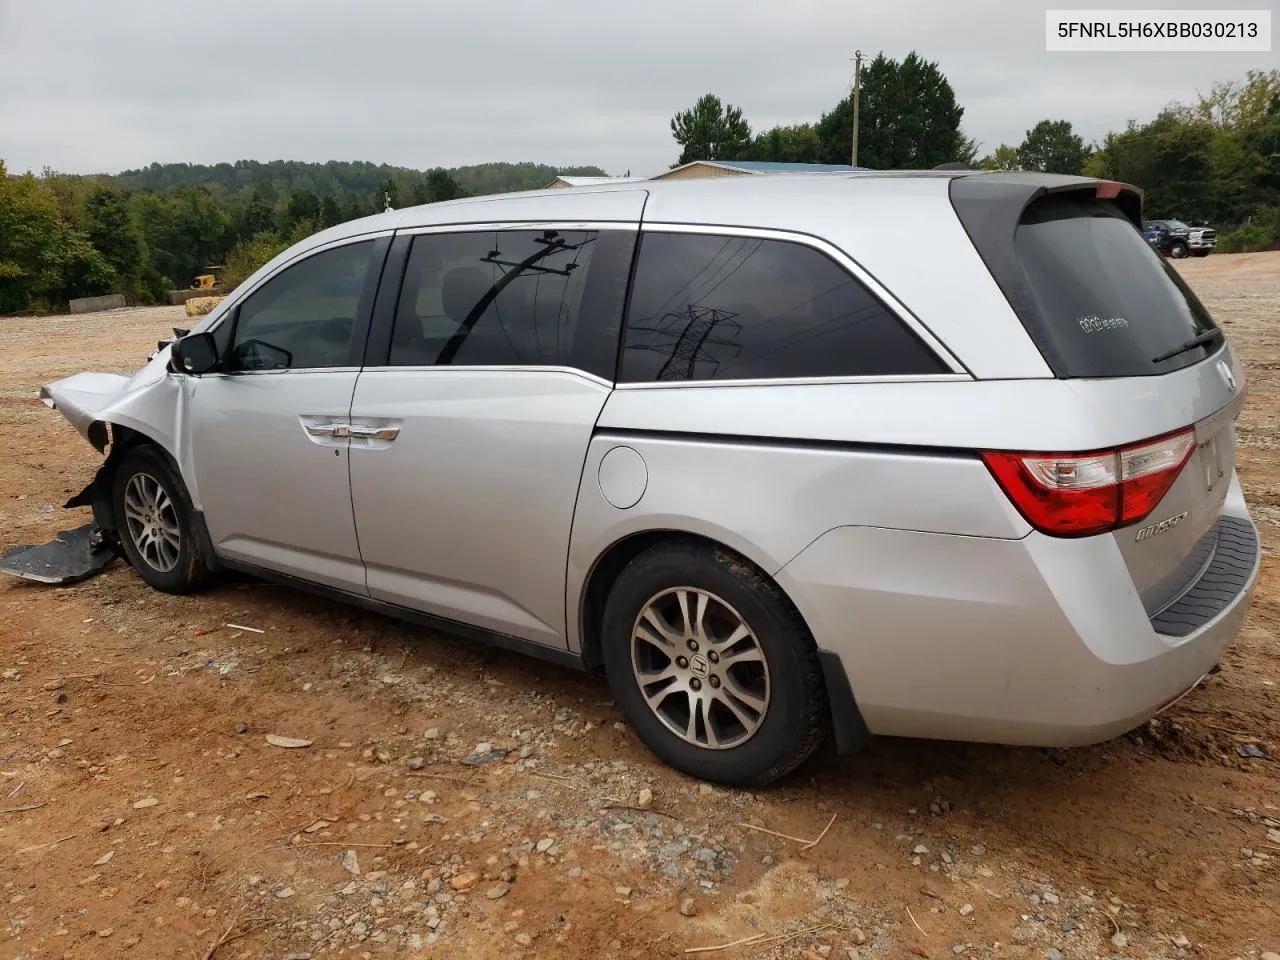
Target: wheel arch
<point x="849" y="729"/>
<point x="98" y="494"/>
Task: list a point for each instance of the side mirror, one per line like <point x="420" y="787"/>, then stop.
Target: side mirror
<point x="195" y="354"/>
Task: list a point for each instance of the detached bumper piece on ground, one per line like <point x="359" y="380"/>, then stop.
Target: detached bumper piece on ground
<point x="74" y="555"/>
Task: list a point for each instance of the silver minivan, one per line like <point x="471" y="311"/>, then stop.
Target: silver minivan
<point x="932" y="454"/>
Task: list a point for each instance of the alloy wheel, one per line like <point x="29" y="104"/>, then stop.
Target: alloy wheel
<point x="700" y="668"/>
<point x="152" y="522"/>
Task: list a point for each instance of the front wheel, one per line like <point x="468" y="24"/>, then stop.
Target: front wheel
<point x="1179" y="250"/>
<point x="1202" y="252"/>
<point x="154" y="520"/>
<point x="712" y="666"/>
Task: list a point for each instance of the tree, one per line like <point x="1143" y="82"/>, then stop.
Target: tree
<point x="442" y="186"/>
<point x="1169" y="158"/>
<point x="908" y="119"/>
<point x="1004" y="157"/>
<point x="1052" y="146"/>
<point x="248" y="255"/>
<point x="185" y="229"/>
<point x="710" y="130"/>
<point x="112" y="227"/>
<point x="44" y="259"/>
<point x="796" y="143"/>
<point x="330" y="213"/>
<point x="303" y="205"/>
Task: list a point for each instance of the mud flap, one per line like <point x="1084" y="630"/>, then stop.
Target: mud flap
<point x="74" y="555"/>
<point x="851" y="733"/>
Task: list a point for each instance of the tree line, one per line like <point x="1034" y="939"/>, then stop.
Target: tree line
<point x="144" y="232"/>
<point x="1216" y="160"/>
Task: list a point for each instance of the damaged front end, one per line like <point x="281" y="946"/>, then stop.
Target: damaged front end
<point x="115" y="413"/>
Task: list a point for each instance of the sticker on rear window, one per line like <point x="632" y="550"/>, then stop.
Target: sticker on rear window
<point x="1099" y="324"/>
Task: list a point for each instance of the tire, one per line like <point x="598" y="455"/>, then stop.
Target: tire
<point x="776" y="664"/>
<point x="148" y="487"/>
<point x="1179" y="250"/>
<point x="1202" y="252"/>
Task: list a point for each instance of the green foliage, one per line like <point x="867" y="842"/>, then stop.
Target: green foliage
<point x="1004" y="157"/>
<point x="908" y="119"/>
<point x="147" y="231"/>
<point x="1217" y="160"/>
<point x="710" y="130"/>
<point x="111" y="226"/>
<point x="339" y="179"/>
<point x="796" y="143"/>
<point x="250" y="254"/>
<point x="1052" y="146"/>
<point x="1261" y="231"/>
<point x="44" y="259"/>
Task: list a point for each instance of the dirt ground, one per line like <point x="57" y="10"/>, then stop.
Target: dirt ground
<point x="456" y="801"/>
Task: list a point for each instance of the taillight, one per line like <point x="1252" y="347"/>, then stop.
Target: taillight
<point x="1078" y="495"/>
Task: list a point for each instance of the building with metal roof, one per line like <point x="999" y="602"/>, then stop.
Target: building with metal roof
<point x="571" y="181"/>
<point x="731" y="168"/>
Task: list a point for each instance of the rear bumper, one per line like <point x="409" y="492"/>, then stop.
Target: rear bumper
<point x="1038" y="641"/>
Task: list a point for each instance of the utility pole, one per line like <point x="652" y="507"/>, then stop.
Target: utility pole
<point x="857" y="91"/>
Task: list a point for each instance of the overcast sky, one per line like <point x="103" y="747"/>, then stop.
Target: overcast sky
<point x="107" y="85"/>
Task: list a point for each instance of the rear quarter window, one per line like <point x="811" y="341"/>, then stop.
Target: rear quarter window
<point x="712" y="307"/>
<point x="1102" y="302"/>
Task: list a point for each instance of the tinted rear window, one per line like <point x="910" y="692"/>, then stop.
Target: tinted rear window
<point x="710" y="307"/>
<point x="1104" y="303"/>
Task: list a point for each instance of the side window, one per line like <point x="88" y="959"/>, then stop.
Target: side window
<point x="729" y="308"/>
<point x="306" y="316"/>
<point x="513" y="298"/>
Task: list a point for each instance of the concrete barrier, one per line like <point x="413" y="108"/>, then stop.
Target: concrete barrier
<point x="112" y="301"/>
<point x="179" y="297"/>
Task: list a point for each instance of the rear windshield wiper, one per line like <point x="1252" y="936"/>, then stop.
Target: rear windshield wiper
<point x="1198" y="341"/>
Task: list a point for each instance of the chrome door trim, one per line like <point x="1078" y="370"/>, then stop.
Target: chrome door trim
<point x="513" y="225"/>
<point x="896" y="306"/>
<point x="292" y="371"/>
<point x="795" y="381"/>
<point x="497" y="368"/>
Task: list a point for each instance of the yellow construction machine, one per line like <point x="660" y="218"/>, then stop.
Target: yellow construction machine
<point x="206" y="281"/>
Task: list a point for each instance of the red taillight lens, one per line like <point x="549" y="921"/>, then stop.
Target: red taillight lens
<point x="1078" y="495"/>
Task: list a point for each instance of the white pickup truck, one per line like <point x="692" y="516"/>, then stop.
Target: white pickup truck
<point x="1176" y="239"/>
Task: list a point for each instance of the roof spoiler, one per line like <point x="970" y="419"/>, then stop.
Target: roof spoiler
<point x="1012" y="192"/>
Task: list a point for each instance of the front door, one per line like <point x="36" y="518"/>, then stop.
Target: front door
<point x="470" y="436"/>
<point x="268" y="435"/>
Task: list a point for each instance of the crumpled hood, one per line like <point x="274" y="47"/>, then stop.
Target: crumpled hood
<point x="148" y="401"/>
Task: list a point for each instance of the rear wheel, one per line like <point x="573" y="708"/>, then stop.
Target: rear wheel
<point x="1178" y="250"/>
<point x="712" y="666"/>
<point x="154" y="522"/>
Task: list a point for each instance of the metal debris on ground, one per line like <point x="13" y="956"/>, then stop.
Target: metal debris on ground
<point x="73" y="555"/>
<point x="480" y="759"/>
<point x="289" y="743"/>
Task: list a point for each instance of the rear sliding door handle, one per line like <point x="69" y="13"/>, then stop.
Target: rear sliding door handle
<point x="385" y="433"/>
<point x="327" y="428"/>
